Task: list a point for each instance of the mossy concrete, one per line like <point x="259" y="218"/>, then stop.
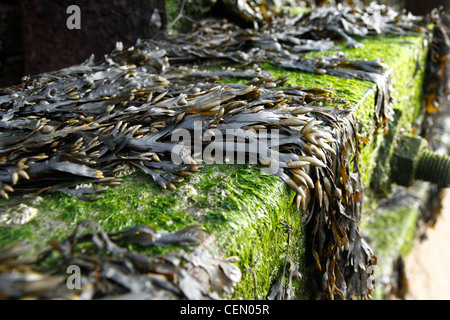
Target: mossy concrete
<point x="406" y="56"/>
<point x="391" y="232"/>
<point x="389" y="227"/>
<point x="239" y="204"/>
<point x="243" y="206"/>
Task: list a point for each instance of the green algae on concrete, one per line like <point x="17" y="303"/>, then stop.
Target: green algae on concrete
<point x="391" y="232"/>
<point x="239" y="204"/>
<point x="405" y="55"/>
<point x="245" y="211"/>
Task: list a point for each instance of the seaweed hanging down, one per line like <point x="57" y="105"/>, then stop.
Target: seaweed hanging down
<point x="341" y="255"/>
<point x="108" y="270"/>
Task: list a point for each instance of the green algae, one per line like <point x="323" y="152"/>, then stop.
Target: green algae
<point x="391" y="231"/>
<point x="406" y="56"/>
<point x="243" y="208"/>
<point x="351" y="90"/>
<point x="14" y="234"/>
<point x="252" y="207"/>
<point x="240" y="205"/>
<point x="136" y="202"/>
<point x="296" y="10"/>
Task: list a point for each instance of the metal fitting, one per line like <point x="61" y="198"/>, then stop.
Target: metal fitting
<point x="413" y="161"/>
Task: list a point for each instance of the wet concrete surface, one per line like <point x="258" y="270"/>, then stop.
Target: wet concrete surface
<point x="427" y="266"/>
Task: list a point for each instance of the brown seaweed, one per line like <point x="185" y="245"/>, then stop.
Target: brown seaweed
<point x="111" y="271"/>
<point x="373" y="70"/>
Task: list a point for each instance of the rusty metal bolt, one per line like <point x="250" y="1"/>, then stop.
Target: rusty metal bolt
<point x="413" y="161"/>
<point x="434" y="168"/>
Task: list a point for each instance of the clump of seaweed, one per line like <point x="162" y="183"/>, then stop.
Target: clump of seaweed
<point x="108" y="269"/>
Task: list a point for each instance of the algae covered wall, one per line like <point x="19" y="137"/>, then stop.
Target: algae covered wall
<point x="246" y="210"/>
<point x="243" y="207"/>
<point x="252" y="215"/>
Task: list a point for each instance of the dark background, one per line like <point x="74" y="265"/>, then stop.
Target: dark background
<point x="34" y="37"/>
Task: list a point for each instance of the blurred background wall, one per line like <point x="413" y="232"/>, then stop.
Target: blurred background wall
<point x="34" y="37"/>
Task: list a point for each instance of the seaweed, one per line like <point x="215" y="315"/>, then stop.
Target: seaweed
<point x="108" y="270"/>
